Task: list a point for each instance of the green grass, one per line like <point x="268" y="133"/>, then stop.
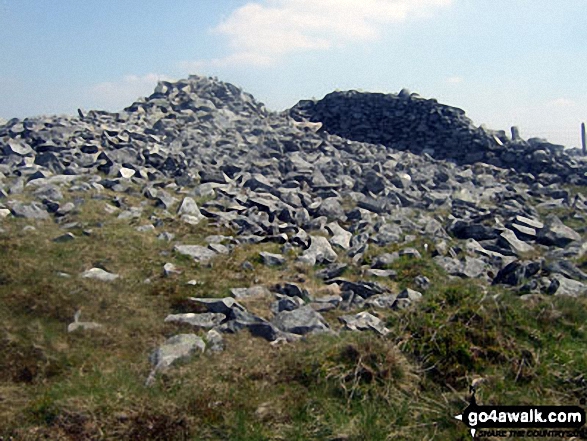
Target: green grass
<point x="350" y="386"/>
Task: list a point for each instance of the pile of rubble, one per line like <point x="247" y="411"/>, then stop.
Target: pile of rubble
<point x="381" y="170"/>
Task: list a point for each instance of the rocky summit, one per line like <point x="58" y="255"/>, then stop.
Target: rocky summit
<point x="333" y="218"/>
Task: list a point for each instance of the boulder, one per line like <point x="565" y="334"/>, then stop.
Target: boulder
<point x="301" y="321"/>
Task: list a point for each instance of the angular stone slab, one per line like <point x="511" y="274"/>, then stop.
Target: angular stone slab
<point x="205" y="320"/>
<point x="197" y="252"/>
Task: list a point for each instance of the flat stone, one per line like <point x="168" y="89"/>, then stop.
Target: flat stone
<point x="271" y="259"/>
<point x="332" y="271"/>
<point x="189" y="208"/>
<point x="340" y="237"/>
<point x="178" y="347"/>
<point x="531" y="223"/>
<point x="562" y="286"/>
<point x="319" y="251"/>
<point x="364" y="321"/>
<point x="389" y="274"/>
<point x="410" y="294"/>
<point x="522" y="230"/>
<point x="214" y="341"/>
<point x="126" y="173"/>
<point x="99" y="274"/>
<point x="301" y="321"/>
<point x="384" y="260"/>
<point x="67" y="237"/>
<point x="253" y="291"/>
<point x="555" y="233"/>
<point x="361" y="288"/>
<point x="224" y="305"/>
<point x="198" y="253"/>
<point x="203" y="320"/>
<point x="33" y="210"/>
<point x="509" y="240"/>
<point x="169" y="269"/>
<point x="286" y="304"/>
<point x="381" y="301"/>
<point x="83" y="326"/>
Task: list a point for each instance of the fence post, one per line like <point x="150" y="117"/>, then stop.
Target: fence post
<point x="583" y="140"/>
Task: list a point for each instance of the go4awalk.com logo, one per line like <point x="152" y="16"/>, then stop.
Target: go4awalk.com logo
<point x="525" y="421"/>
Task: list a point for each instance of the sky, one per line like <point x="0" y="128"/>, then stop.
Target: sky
<point x="505" y="62"/>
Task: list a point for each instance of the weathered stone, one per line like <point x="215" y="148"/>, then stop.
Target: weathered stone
<point x="340" y="237"/>
<point x="99" y="274"/>
<point x="271" y="259"/>
<point x="198" y="253"/>
<point x="319" y="251"/>
<point x="225" y="305"/>
<point x="253" y="291"/>
<point x="169" y="269"/>
<point x="332" y="271"/>
<point x="33" y="210"/>
<point x="203" y="320"/>
<point x="561" y="286"/>
<point x="214" y="341"/>
<point x="364" y="321"/>
<point x="382" y="301"/>
<point x="286" y="304"/>
<point x="410" y="294"/>
<point x="176" y="348"/>
<point x="391" y="274"/>
<point x="556" y="233"/>
<point x="189" y="211"/>
<point x="67" y="237"/>
<point x="508" y="239"/>
<point x="302" y="321"/>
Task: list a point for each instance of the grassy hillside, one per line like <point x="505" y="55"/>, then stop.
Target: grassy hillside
<point x="88" y="385"/>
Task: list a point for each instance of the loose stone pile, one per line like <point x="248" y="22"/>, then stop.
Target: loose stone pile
<point x="368" y="176"/>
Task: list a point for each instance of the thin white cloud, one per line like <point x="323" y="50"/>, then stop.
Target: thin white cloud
<point x="562" y="102"/>
<point x="454" y="80"/>
<point x="115" y="95"/>
<point x="238" y="58"/>
<point x="261" y="32"/>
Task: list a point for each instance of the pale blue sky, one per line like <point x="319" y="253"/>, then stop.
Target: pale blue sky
<point x="505" y="62"/>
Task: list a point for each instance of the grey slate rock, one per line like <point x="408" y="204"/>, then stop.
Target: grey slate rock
<point x="197" y="252"/>
<point x="189" y="211"/>
<point x="205" y="320"/>
<point x="364" y="321"/>
<point x="286" y="304"/>
<point x="340" y="236"/>
<point x="253" y="291"/>
<point x="410" y="294"/>
<point x="381" y="301"/>
<point x="226" y="305"/>
<point x="331" y="271"/>
<point x="390" y="274"/>
<point x="384" y="260"/>
<point x="361" y="288"/>
<point x="300" y="321"/>
<point x="555" y="233"/>
<point x="99" y="274"/>
<point x="508" y="240"/>
<point x="214" y="341"/>
<point x="33" y="210"/>
<point x="561" y="286"/>
<point x="271" y="259"/>
<point x="319" y="251"/>
<point x="67" y="237"/>
<point x="169" y="269"/>
<point x="174" y="349"/>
